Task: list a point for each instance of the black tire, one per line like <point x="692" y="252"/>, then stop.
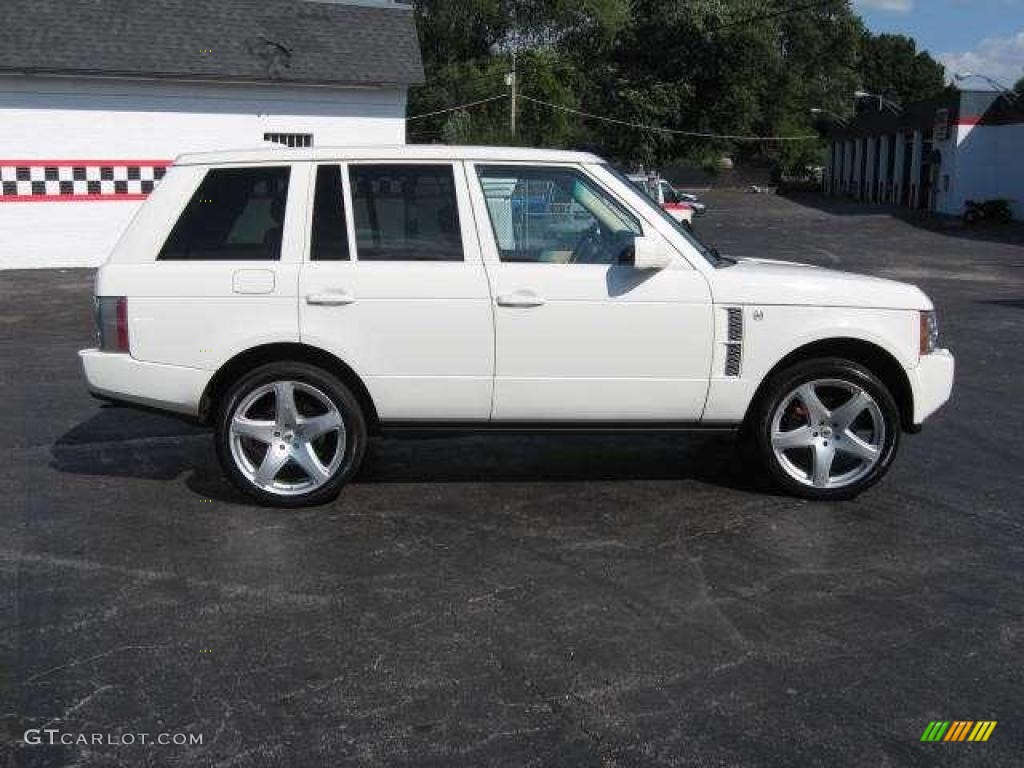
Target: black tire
<point x="784" y="382"/>
<point x="353" y="419"/>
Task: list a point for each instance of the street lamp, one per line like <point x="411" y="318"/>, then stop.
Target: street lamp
<point x="1006" y="90"/>
<point x="882" y="101"/>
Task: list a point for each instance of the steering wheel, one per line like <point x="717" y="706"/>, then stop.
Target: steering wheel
<point x="588" y="248"/>
<point x="600" y="246"/>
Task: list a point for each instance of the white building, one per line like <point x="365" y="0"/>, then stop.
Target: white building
<point x="933" y="155"/>
<point x="98" y="97"/>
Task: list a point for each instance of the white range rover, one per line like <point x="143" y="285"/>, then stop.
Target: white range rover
<point x="301" y="300"/>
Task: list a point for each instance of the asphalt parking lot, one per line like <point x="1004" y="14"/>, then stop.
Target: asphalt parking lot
<point x="590" y="601"/>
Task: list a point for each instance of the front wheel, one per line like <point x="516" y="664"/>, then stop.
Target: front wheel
<point x="827" y="429"/>
<point x="290" y="435"/>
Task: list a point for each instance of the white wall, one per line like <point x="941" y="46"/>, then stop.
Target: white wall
<point x="989" y="164"/>
<point x="96" y="119"/>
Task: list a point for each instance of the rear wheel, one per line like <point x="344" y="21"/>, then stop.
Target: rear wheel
<point x="290" y="435"/>
<point x="827" y="429"/>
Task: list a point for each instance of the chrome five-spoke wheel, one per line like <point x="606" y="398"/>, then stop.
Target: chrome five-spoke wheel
<point x="828" y="433"/>
<point x="287" y="437"/>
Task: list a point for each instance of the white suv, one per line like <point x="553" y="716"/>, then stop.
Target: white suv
<point x="301" y="300"/>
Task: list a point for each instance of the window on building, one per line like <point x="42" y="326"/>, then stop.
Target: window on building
<point x="237" y="214"/>
<point x="290" y="139"/>
<point x="554" y="216"/>
<point x="330" y="234"/>
<point x="405" y="213"/>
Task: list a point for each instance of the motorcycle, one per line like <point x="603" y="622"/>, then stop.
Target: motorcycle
<point x="987" y="210"/>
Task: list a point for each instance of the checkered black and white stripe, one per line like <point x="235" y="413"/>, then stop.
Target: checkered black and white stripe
<point x="69" y="181"/>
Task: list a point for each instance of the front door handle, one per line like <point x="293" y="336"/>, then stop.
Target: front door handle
<point x="330" y="299"/>
<point x="520" y="299"/>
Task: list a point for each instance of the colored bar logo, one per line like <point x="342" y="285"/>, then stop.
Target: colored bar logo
<point x="959" y="730"/>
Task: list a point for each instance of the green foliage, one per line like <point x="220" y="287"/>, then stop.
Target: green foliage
<point x="891" y="65"/>
<point x="739" y="67"/>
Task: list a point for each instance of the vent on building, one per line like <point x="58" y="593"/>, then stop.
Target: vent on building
<point x="734" y="341"/>
<point x="290" y="139"/>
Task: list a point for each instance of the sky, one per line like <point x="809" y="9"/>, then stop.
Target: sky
<point x="982" y="36"/>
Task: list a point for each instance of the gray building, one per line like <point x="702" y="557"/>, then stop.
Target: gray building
<point x="932" y="155"/>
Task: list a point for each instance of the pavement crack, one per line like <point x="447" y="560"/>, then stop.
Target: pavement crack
<point x="83" y="702"/>
<point x="79" y="662"/>
<point x="271" y="593"/>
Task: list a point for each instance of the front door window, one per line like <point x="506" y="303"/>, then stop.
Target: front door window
<point x="555" y="216"/>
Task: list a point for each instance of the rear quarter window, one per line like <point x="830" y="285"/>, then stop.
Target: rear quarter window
<point x="236" y="214"/>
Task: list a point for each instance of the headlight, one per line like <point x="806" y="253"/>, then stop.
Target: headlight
<point x="929" y="332"/>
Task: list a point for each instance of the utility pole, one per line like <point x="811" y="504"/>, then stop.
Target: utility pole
<point x="510" y="80"/>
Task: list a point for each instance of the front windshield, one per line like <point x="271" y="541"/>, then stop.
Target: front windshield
<point x="668" y="193"/>
<point x="708" y="252"/>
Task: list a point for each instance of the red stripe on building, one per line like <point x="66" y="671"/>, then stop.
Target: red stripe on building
<point x="80" y="163"/>
<point x="113" y="197"/>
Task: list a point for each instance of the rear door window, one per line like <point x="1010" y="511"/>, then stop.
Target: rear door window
<point x="405" y="213"/>
<point x="237" y="214"/>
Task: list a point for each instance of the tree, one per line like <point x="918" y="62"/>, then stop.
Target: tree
<point x="892" y="66"/>
<point x="467" y="50"/>
<point x="739" y="67"/>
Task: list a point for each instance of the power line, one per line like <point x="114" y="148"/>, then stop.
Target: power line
<point x="614" y="121"/>
<point x="774" y="14"/>
<point x="456" y="109"/>
<point x="673" y="131"/>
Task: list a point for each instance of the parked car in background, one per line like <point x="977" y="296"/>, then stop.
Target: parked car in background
<point x="301" y="300"/>
<point x="699" y="208"/>
<point x="665" y="195"/>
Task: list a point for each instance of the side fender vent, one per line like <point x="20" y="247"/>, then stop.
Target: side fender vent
<point x="734" y="342"/>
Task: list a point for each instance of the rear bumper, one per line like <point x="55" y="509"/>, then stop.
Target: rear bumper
<point x="120" y="377"/>
<point x="932" y="382"/>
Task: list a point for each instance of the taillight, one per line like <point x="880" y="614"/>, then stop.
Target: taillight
<point x="929" y="333"/>
<point x="112" y="323"/>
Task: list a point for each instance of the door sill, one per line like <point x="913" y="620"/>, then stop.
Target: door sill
<point x="438" y="428"/>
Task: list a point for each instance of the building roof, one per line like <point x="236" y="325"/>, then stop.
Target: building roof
<point x="437" y="152"/>
<point x="963" y="106"/>
<point x="287" y="41"/>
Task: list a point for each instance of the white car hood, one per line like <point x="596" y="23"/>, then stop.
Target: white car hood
<point x="760" y="281"/>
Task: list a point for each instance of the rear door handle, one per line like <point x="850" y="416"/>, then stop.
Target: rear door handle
<point x="330" y="299"/>
<point x="520" y="299"/>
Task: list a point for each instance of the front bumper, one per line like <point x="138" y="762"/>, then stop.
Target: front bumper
<point x="116" y="376"/>
<point x="932" y="382"/>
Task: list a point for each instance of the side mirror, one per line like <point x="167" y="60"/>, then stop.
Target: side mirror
<point x="650" y="252"/>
